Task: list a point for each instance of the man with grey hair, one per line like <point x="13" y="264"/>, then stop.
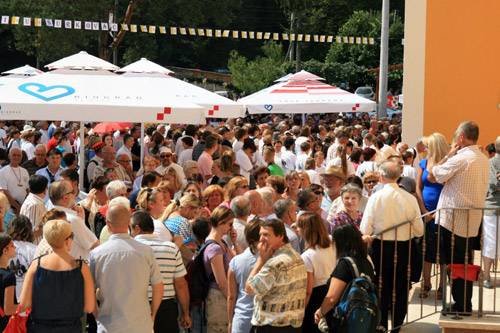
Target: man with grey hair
<point x="240" y="206"/>
<point x="114" y="190"/>
<point x="464" y="173"/>
<point x="123" y="264"/>
<point x="257" y="203"/>
<point x="14" y="180"/>
<point x="286" y="211"/>
<point x="267" y="195"/>
<point x="38" y="162"/>
<point x="63" y="198"/>
<point x="386" y="208"/>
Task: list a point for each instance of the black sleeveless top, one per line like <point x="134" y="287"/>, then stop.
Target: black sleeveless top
<point x="57" y="301"/>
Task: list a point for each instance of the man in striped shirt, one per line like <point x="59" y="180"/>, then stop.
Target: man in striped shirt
<point x="172" y="270"/>
<point x="33" y="206"/>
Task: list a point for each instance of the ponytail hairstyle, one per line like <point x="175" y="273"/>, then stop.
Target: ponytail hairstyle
<point x="188" y="200"/>
<point x="341" y="151"/>
<point x="146" y="195"/>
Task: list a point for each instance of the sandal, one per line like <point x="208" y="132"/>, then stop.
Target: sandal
<point x="424" y="292"/>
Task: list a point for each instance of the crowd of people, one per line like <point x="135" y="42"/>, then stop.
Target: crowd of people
<point x="260" y="211"/>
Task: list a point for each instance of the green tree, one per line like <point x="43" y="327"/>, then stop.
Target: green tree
<point x="363" y="23"/>
<point x="252" y="75"/>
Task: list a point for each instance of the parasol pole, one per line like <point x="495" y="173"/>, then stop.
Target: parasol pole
<point x="82" y="155"/>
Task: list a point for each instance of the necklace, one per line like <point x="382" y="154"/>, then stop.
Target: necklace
<point x="17" y="177"/>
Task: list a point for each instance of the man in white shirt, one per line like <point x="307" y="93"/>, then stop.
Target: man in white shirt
<point x="240" y="206"/>
<point x="34" y="205"/>
<point x="244" y="158"/>
<point x="63" y="197"/>
<point x="305" y="148"/>
<point x="14" y="180"/>
<point x="126" y="148"/>
<point x="288" y="158"/>
<point x="166" y="159"/>
<point x="27" y="139"/>
<point x="186" y="154"/>
<point x="43" y="127"/>
<point x="386" y="208"/>
<point x="464" y="173"/>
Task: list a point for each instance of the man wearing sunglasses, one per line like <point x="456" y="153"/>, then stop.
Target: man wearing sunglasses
<point x="167" y="161"/>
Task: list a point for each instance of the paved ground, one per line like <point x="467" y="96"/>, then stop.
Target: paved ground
<point x="430" y="307"/>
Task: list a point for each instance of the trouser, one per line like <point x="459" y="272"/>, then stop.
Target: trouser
<point x="274" y="329"/>
<point x="399" y="291"/>
<point x="166" y="319"/>
<point x="317" y="296"/>
<point x="461" y="290"/>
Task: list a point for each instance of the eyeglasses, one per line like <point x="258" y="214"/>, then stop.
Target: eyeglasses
<point x="71" y="236"/>
<point x="165" y="155"/>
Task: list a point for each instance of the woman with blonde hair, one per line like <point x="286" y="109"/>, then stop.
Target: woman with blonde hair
<point x="150" y="200"/>
<point x="428" y="196"/>
<point x="293" y="184"/>
<point x="173" y="177"/>
<point x="177" y="215"/>
<point x="319" y="258"/>
<point x="370" y="180"/>
<point x="58" y="288"/>
<point x="213" y="196"/>
<point x="236" y="186"/>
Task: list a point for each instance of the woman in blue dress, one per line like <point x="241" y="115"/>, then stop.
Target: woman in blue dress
<point x="428" y="196"/>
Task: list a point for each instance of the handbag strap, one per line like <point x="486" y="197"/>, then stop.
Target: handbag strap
<point x="353" y="265"/>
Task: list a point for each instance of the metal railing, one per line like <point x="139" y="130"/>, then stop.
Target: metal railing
<point x="454" y="256"/>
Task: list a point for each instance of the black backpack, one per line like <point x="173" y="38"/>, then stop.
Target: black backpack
<point x="358" y="310"/>
<point x="198" y="281"/>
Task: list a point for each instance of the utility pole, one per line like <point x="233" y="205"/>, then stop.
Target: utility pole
<point x="384" y="60"/>
<point x="291" y="48"/>
<point x="297" y="46"/>
<point x="115" y="48"/>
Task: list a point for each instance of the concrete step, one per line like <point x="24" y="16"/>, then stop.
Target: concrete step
<point x="470" y="324"/>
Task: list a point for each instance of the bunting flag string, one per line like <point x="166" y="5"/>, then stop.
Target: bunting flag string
<point x="38" y="22"/>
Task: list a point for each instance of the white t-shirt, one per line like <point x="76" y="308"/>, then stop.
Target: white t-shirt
<point x="245" y="164"/>
<point x="25" y="252"/>
<point x="161" y="231"/>
<point x="300" y="140"/>
<point x="314" y="177"/>
<point x="237" y="145"/>
<point x="84" y="238"/>
<point x="300" y="163"/>
<point x="367" y="166"/>
<point x="28" y="148"/>
<point x="3" y="135"/>
<point x="185" y="155"/>
<point x="321" y="262"/>
<point x="409" y="171"/>
<point x="15" y="180"/>
<point x="288" y="159"/>
<point x="337" y="161"/>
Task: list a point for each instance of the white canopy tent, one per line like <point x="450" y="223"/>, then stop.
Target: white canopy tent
<point x="82" y="89"/>
<point x="216" y="106"/>
<point x="304" y="93"/>
<point x="25" y="70"/>
<point x="144" y="66"/>
<point x="82" y="61"/>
